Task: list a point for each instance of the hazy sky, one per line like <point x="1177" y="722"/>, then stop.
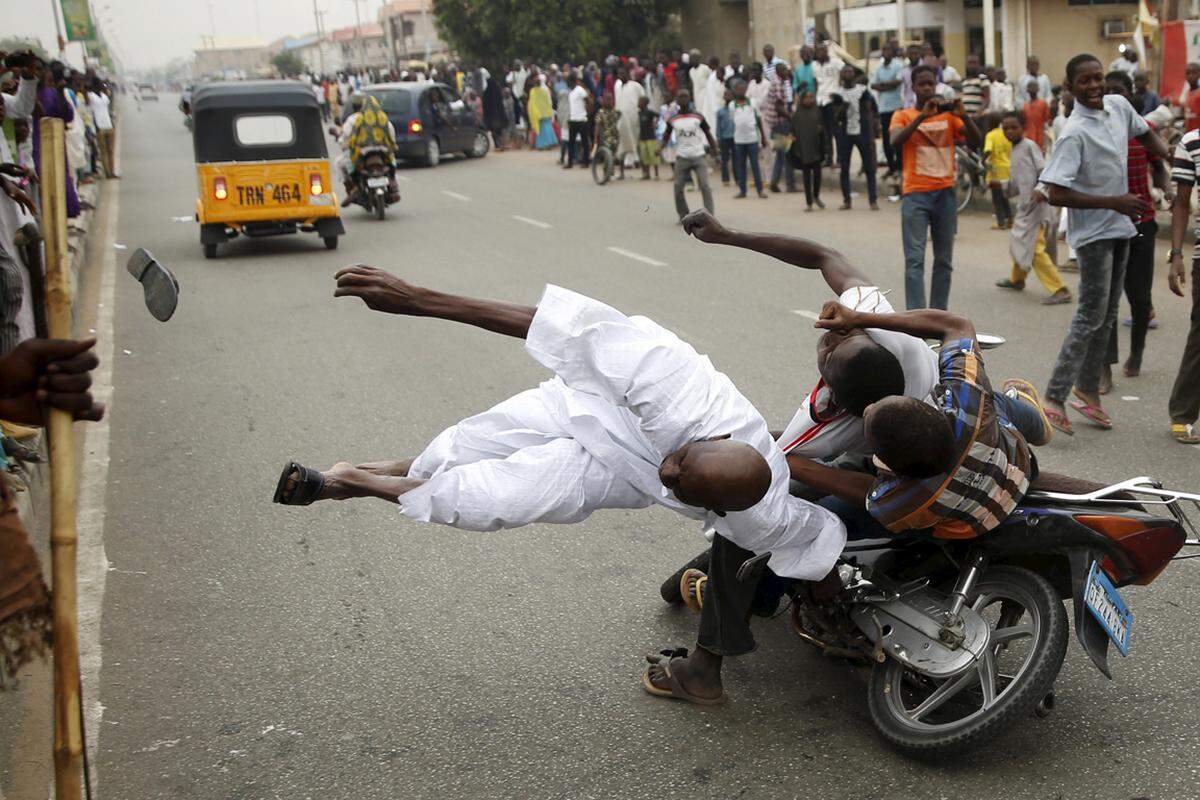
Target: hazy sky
<point x="151" y="32"/>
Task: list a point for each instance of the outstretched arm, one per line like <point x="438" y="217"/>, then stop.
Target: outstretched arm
<point x="382" y="291"/>
<point x="839" y="273"/>
<point x="928" y="323"/>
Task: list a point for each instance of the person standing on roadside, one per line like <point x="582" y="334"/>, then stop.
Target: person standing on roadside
<point x="1184" y="405"/>
<point x="1033" y="77"/>
<point x="579" y="102"/>
<point x="888" y="83"/>
<point x="777" y="119"/>
<point x="770" y="62"/>
<point x="725" y="136"/>
<point x="908" y="97"/>
<point x="748" y="134"/>
<point x="827" y="72"/>
<point x="1036" y="114"/>
<point x="928" y="206"/>
<point x="976" y="88"/>
<point x="857" y="121"/>
<point x="1189" y="97"/>
<point x="691" y="138"/>
<point x="1088" y="175"/>
<point x="808" y="147"/>
<point x="802" y="75"/>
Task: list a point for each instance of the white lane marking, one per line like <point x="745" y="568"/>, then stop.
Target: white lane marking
<point x="92" y="565"/>
<point x="537" y="223"/>
<point x="804" y="312"/>
<point x="455" y="195"/>
<point x="621" y="251"/>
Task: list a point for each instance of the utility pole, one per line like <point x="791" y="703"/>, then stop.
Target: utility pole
<point x="362" y="47"/>
<point x="320" y="37"/>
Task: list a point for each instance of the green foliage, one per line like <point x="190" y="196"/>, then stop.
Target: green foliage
<point x="288" y="63"/>
<point x="496" y="31"/>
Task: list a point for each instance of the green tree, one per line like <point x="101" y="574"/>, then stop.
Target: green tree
<point x="288" y="63"/>
<point x="498" y="30"/>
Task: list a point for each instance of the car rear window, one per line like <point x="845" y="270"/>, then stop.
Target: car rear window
<point x="395" y="102"/>
<point x="264" y="130"/>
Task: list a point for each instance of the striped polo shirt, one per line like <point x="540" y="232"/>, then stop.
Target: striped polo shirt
<point x="990" y="474"/>
<point x="1185" y="168"/>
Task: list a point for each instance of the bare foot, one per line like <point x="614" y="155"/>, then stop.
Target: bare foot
<point x="396" y="469"/>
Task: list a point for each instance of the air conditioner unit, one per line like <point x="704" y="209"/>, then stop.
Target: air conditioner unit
<point x="1116" y="28"/>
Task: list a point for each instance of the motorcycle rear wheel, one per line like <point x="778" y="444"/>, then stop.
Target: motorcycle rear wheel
<point x="917" y="715"/>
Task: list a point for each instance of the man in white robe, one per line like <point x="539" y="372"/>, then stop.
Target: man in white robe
<point x="699" y="76"/>
<point x="633" y="417"/>
<point x="628" y="93"/>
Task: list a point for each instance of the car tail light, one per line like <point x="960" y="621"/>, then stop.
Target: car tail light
<point x="1149" y="549"/>
<point x="415" y="126"/>
<point x="314" y="184"/>
<point x="220" y="190"/>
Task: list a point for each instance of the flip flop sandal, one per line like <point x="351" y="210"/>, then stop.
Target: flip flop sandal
<point x="676" y="690"/>
<point x="1008" y="283"/>
<point x="159" y="286"/>
<point x="309" y="483"/>
<point x="1058" y="299"/>
<point x="1025" y="390"/>
<point x="693" y="598"/>
<point x="1183" y="434"/>
<point x="1094" y="414"/>
<point x="1058" y="420"/>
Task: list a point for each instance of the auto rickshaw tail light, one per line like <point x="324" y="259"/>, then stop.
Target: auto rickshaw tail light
<point x="414" y="126"/>
<point x="220" y="190"/>
<point x="314" y="184"/>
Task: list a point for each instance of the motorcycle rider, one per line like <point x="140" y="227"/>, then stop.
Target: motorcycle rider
<point x="367" y="130"/>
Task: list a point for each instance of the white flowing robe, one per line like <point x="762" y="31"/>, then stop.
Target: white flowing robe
<point x="628" y="94"/>
<point x="714" y="98"/>
<point x="626" y="394"/>
<point x="699" y="75"/>
<point x="1028" y="216"/>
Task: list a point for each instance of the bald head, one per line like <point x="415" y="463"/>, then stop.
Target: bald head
<point x="719" y="475"/>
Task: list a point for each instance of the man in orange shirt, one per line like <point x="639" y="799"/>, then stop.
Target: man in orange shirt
<point x="1037" y="114"/>
<point x="1190" y="98"/>
<point x="926" y="136"/>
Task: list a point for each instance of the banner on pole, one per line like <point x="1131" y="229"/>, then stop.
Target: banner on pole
<point x="77" y="19"/>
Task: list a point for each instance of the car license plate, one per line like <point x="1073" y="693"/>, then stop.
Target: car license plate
<point x="376" y="183"/>
<point x="1106" y="605"/>
<point x="270" y="194"/>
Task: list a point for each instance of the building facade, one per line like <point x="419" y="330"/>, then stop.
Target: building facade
<point x="363" y="45"/>
<point x="411" y="33"/>
<point x="1054" y="30"/>
<point x="232" y="59"/>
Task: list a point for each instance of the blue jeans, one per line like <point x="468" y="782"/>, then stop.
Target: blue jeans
<point x="933" y="213"/>
<point x="725" y="147"/>
<point x="865" y="144"/>
<point x="741" y="154"/>
<point x="1023" y="416"/>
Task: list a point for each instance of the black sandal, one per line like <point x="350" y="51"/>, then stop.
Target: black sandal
<point x="309" y="484"/>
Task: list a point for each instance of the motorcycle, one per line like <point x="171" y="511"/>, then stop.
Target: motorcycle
<point x="965" y="637"/>
<point x="372" y="184"/>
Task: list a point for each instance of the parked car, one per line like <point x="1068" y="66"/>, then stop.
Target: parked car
<point x="431" y="120"/>
<point x="146" y="91"/>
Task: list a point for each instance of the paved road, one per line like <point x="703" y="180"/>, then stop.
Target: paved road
<point x="251" y="651"/>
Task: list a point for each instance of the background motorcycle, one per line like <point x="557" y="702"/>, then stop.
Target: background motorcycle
<point x="964" y="637"/>
<point x="372" y="181"/>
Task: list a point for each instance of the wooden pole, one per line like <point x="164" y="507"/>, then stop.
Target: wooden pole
<point x="68" y="738"/>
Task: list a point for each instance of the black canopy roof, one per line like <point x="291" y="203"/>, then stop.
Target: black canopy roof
<point x="253" y="94"/>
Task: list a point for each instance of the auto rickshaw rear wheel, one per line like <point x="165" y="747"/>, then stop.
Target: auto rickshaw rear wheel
<point x="330" y="242"/>
<point x="210" y="250"/>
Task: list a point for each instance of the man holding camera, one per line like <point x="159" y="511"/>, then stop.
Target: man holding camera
<point x="926" y="136"/>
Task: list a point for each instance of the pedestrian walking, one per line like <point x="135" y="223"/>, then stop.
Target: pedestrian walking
<point x="857" y="121"/>
<point x="888" y="83"/>
<point x="692" y="135"/>
<point x="1184" y="405"/>
<point x="1088" y="175"/>
<point x="725" y="136"/>
<point x="1032" y="218"/>
<point x="928" y="207"/>
<point x="808" y="147"/>
<point x="748" y="135"/>
<point x="997" y="154"/>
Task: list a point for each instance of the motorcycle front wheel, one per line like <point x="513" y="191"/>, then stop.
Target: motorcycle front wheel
<point x="380" y="205"/>
<point x="930" y="718"/>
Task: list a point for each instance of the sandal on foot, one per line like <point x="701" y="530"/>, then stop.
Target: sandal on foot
<point x="693" y="597"/>
<point x="676" y="691"/>
<point x="1060" y="298"/>
<point x="1184" y="433"/>
<point x="1094" y="414"/>
<point x="1058" y="420"/>
<point x="309" y="484"/>
<point x="1008" y="283"/>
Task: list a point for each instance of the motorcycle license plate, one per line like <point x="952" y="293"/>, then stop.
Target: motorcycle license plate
<point x="1106" y="605"/>
<point x="376" y="183"/>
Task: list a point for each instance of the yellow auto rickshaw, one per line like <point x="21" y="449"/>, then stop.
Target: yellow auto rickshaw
<point x="261" y="163"/>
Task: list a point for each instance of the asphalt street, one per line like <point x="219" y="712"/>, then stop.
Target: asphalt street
<point x="340" y="651"/>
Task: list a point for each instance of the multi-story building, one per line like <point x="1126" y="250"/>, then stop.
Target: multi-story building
<point x="363" y="45"/>
<point x="232" y="58"/>
<point x="319" y="54"/>
<point x="411" y="33"/>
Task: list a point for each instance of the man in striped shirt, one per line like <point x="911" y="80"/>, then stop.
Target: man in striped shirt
<point x="958" y="466"/>
<point x="1184" y="405"/>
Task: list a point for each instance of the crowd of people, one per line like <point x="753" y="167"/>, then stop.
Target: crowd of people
<point x="913" y="114"/>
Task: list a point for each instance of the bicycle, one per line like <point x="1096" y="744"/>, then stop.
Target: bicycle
<point x="969" y="175"/>
<point x="603" y="165"/>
